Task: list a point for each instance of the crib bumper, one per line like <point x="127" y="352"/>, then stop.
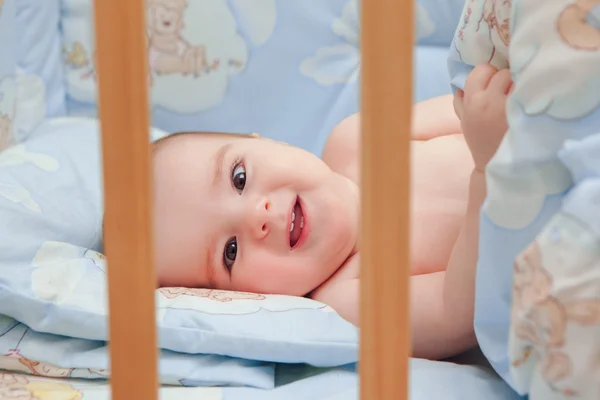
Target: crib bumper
<point x="288" y="70"/>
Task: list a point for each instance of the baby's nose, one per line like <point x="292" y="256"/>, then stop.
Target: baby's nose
<point x="258" y="218"/>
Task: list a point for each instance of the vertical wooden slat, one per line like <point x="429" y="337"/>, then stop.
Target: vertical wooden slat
<point x="386" y="102"/>
<point x="123" y="105"/>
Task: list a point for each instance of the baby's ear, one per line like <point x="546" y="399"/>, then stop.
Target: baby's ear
<point x="257" y="136"/>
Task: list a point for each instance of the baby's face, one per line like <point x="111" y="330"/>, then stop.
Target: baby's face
<point x="249" y="214"/>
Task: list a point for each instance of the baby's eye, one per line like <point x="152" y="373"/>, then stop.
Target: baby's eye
<point x="238" y="178"/>
<point x="230" y="252"/>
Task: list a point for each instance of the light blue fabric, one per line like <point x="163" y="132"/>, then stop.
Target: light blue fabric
<point x="431" y="78"/>
<point x="38" y="45"/>
<point x="436" y="21"/>
<point x="313" y="83"/>
<point x="294" y="382"/>
<point x="429" y="380"/>
<point x="547" y="162"/>
<point x="7" y="38"/>
<point x="438" y="380"/>
<point x="75" y="358"/>
<point x="8" y="60"/>
<point x="296" y="79"/>
<point x="299" y="73"/>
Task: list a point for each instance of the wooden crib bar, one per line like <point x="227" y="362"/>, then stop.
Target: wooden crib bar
<point x="128" y="235"/>
<point x="386" y="101"/>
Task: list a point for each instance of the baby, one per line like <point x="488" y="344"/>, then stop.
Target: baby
<point x="250" y="214"/>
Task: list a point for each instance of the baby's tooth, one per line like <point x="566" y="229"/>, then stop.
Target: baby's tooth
<point x="292" y="227"/>
<point x="301" y="222"/>
<point x="293" y="216"/>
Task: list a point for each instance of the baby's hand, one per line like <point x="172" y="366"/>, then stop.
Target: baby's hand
<point x="482" y="111"/>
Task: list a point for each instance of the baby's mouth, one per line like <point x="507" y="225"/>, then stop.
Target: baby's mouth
<point x="297" y="223"/>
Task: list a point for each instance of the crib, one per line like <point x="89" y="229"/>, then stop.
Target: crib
<point x="385" y="342"/>
<point x="386" y="90"/>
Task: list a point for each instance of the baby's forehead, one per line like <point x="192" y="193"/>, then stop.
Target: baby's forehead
<point x="183" y="138"/>
<point x="187" y="157"/>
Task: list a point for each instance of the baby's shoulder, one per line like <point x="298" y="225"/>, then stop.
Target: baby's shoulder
<point x="341" y="152"/>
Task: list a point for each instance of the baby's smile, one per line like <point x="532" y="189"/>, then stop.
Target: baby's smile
<point x="296" y="224"/>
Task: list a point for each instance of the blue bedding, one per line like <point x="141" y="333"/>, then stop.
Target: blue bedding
<point x="431" y="77"/>
<point x="452" y="382"/>
<point x="286" y="69"/>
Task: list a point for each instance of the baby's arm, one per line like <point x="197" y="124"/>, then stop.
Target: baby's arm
<point x="430" y="118"/>
<point x="445" y="327"/>
<point x="435" y="335"/>
<point x="434" y="117"/>
<point x="442" y="303"/>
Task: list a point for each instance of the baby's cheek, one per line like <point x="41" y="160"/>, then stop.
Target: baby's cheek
<point x="273" y="275"/>
<point x="255" y="273"/>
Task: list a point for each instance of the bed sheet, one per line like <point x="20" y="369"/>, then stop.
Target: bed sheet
<point x="295" y="382"/>
<point x="452" y="382"/>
